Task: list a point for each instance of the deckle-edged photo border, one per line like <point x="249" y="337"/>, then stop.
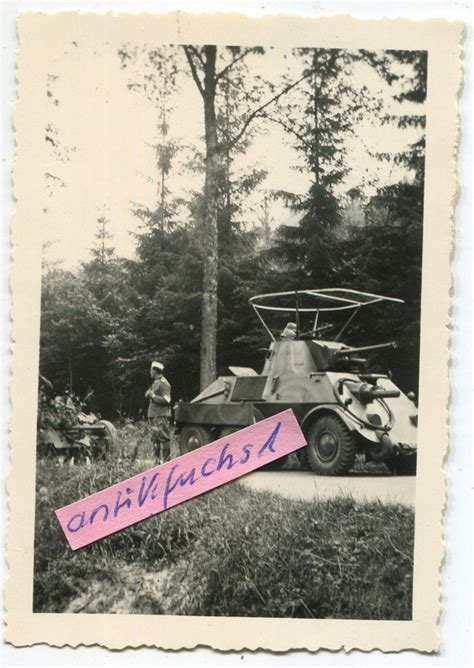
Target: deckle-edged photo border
<point x="41" y="37"/>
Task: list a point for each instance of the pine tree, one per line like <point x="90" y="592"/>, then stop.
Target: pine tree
<point x="406" y="73"/>
<point x="385" y="255"/>
<point x="318" y="125"/>
<point x="103" y="251"/>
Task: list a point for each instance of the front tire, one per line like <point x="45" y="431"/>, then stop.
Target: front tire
<point x="193" y="437"/>
<point x="331" y="448"/>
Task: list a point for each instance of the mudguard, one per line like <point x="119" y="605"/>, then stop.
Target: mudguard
<point x="334" y="409"/>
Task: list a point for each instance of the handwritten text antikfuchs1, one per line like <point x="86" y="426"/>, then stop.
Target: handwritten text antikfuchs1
<point x="169" y="484"/>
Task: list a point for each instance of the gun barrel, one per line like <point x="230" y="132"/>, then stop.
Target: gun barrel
<point x="363" y="349"/>
<point x="381" y="393"/>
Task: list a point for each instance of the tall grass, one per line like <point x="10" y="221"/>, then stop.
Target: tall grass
<point x="261" y="555"/>
<point x="230" y="552"/>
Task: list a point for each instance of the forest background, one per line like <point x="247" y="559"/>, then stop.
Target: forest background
<point x="216" y="224"/>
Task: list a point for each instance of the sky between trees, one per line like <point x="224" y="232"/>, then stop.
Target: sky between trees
<point x="107" y="159"/>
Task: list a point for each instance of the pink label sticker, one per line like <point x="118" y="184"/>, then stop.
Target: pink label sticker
<point x="181" y="479"/>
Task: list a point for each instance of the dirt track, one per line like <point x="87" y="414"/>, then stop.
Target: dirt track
<point x="306" y="485"/>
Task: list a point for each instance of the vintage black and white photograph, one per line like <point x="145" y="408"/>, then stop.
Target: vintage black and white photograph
<point x="267" y="255"/>
<point x="228" y="231"/>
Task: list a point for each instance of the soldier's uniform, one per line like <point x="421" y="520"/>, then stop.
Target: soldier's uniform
<point x="159" y="414"/>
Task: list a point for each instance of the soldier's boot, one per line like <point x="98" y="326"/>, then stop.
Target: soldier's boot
<point x="157" y="452"/>
<point x="166" y="451"/>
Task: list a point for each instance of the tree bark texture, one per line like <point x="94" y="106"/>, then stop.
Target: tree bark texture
<point x="209" y="228"/>
<point x="316" y="166"/>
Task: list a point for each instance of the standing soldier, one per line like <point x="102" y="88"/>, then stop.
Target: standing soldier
<point x="159" y="412"/>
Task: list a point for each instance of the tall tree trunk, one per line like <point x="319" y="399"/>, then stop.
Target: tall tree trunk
<point x="70" y="373"/>
<point x="316" y="166"/>
<point x="162" y="196"/>
<point x="227" y="217"/>
<point x="162" y="167"/>
<point x="209" y="232"/>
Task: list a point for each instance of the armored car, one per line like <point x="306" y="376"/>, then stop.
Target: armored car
<point x="344" y="408"/>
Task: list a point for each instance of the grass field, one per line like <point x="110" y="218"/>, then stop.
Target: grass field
<point x="229" y="552"/>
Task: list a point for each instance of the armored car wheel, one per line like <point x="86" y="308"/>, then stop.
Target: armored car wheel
<point x="331" y="448"/>
<point x="192" y="437"/>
